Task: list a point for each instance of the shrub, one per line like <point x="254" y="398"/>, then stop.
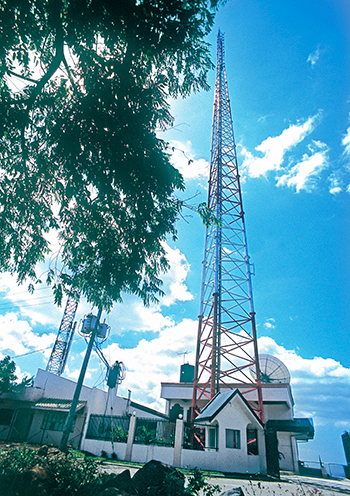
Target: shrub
<point x="24" y="472"/>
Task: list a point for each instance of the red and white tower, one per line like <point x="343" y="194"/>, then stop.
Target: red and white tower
<point x="227" y="353"/>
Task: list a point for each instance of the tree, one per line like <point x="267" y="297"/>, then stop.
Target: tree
<point x="8" y="377"/>
<point x="84" y="87"/>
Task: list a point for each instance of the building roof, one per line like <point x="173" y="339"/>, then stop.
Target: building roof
<point x="218" y="403"/>
<point x="57" y="404"/>
<point x="148" y="410"/>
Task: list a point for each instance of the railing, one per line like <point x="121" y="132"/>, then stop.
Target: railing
<point x="108" y="428"/>
<point x="157" y="432"/>
<point x="322" y="469"/>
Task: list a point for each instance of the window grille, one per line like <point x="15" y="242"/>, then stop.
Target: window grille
<point x="108" y="428"/>
<point x="155" y="431"/>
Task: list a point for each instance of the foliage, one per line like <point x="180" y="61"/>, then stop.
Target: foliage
<point x="8" y="377"/>
<point x="84" y="87"/>
<point x="197" y="483"/>
<point x="23" y="471"/>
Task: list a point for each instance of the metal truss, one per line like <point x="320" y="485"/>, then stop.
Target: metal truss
<point x="227" y="354"/>
<point x="60" y="350"/>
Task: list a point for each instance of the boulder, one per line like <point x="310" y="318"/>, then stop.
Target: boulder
<point x="156" y="478"/>
<point x="120" y="481"/>
<point x="235" y="491"/>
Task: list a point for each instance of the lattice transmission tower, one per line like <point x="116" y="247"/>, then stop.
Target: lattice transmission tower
<point x="60" y="350"/>
<point x="227" y="353"/>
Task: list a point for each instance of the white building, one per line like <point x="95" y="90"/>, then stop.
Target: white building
<point x="234" y="437"/>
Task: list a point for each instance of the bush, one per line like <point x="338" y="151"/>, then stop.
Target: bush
<point x="25" y="472"/>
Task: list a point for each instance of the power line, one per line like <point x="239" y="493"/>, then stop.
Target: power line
<point x="30" y="352"/>
<point x="29" y="305"/>
<point x="26" y="292"/>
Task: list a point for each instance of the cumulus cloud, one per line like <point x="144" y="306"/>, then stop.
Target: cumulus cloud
<point x="300" y="175"/>
<point x="19" y="337"/>
<point x="174" y="280"/>
<point x="317" y="383"/>
<point x="273" y="149"/>
<point x="314" y="57"/>
<point x="156" y="360"/>
<point x="184" y="160"/>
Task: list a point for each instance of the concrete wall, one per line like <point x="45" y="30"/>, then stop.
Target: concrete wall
<point x="96" y="447"/>
<point x="287" y="447"/>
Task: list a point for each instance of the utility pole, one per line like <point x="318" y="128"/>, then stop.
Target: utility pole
<point x="70" y="419"/>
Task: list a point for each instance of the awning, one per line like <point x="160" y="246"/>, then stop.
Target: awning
<point x="57" y="405"/>
<point x="303" y="428"/>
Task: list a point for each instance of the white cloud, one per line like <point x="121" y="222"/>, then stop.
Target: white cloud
<point x="19" y="337"/>
<point x="174" y="280"/>
<point x="157" y="360"/>
<point x="300" y="175"/>
<point x="346" y="142"/>
<point x="275" y="148"/>
<point x="314" y="56"/>
<point x="317" y="383"/>
<point x="184" y="160"/>
<point x="335" y="185"/>
<point x="270" y="324"/>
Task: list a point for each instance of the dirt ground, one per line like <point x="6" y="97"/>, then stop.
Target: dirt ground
<point x="288" y="485"/>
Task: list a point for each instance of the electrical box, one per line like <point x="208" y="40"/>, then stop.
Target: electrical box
<point x="88" y="324"/>
<point x="102" y="330"/>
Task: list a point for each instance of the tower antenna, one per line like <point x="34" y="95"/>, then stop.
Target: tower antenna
<point x="227" y="342"/>
<point x="60" y="350"/>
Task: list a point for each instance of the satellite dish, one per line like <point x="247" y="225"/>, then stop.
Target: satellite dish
<point x="272" y="370"/>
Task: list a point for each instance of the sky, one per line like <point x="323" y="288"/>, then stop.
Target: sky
<point x="288" y="71"/>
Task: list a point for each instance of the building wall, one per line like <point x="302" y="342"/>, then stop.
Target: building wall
<point x="287" y="448"/>
<point x="40" y="433"/>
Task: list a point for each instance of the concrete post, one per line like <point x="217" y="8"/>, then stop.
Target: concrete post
<point x="131" y="436"/>
<point x="179" y="434"/>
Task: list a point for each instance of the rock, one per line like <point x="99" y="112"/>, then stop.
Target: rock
<point x="35" y="480"/>
<point x="120" y="481"/>
<point x="43" y="450"/>
<point x="235" y="491"/>
<point x="113" y="491"/>
<point x="157" y="478"/>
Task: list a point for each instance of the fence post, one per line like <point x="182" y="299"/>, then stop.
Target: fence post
<point x="179" y="435"/>
<point x="131" y="436"/>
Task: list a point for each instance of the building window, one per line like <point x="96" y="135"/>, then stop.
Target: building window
<point x="6" y="415"/>
<point x="54" y="421"/>
<point x="252" y="442"/>
<point x="212" y="438"/>
<point x="233" y="439"/>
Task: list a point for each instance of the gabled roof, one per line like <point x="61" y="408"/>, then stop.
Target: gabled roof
<point x="218" y="403"/>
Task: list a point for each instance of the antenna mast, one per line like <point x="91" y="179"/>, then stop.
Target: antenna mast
<point x="60" y="350"/>
<point x="227" y="342"/>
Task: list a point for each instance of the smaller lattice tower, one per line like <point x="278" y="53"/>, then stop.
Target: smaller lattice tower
<point x="60" y="350"/>
<point x="227" y="353"/>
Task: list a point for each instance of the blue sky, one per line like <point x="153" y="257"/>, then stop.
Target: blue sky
<point x="288" y="70"/>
